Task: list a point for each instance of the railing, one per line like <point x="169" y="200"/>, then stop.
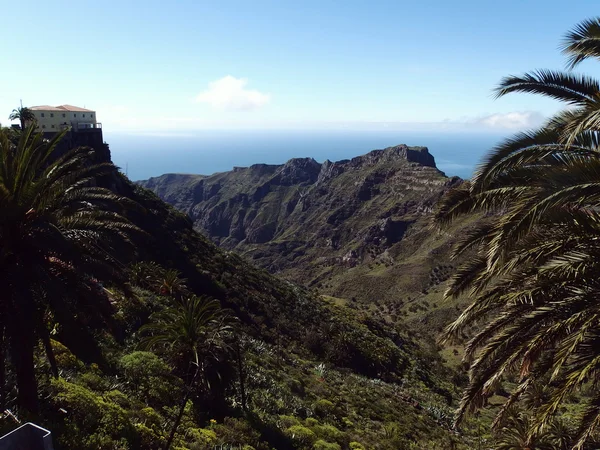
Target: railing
<point x="27" y="437"/>
<point x="83" y="126"/>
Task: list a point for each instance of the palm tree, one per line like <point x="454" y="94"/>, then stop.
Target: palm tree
<point x="58" y="236"/>
<point x="191" y="333"/>
<point x="22" y="114"/>
<point x="165" y="282"/>
<point x="535" y="253"/>
<point x="171" y="284"/>
<point x="515" y="436"/>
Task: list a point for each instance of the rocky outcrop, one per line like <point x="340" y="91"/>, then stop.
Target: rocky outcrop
<point x="287" y="215"/>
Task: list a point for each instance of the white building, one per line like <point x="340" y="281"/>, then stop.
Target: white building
<point x="56" y="118"/>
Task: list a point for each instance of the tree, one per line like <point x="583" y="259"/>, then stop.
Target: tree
<point x="22" y="114"/>
<point x="534" y="255"/>
<point x="192" y="332"/>
<point x="58" y="239"/>
<point x="515" y="436"/>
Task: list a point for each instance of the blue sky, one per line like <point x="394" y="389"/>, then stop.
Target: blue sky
<point x="157" y="66"/>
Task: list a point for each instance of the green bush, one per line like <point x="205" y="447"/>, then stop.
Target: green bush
<point x="149" y="377"/>
<point x="91" y="422"/>
<point x="328" y="432"/>
<point x="65" y="360"/>
<point x="236" y="432"/>
<point x="347" y="422"/>
<point x="356" y="446"/>
<point x="311" y="422"/>
<point x="323" y="445"/>
<point x="118" y="398"/>
<point x="323" y="407"/>
<point x="93" y="381"/>
<point x="149" y="438"/>
<point x="201" y="437"/>
<point x="288" y="421"/>
<point x="302" y="435"/>
<point x="149" y="417"/>
<point x="139" y="366"/>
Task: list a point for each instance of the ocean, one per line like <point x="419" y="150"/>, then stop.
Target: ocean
<point x="207" y="152"/>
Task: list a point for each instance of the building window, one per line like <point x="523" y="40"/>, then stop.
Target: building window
<point x="74" y="115"/>
<point x="42" y="114"/>
<point x="43" y="126"/>
<point x="52" y="126"/>
<point x="64" y="115"/>
<point x="84" y="115"/>
<point x="51" y="114"/>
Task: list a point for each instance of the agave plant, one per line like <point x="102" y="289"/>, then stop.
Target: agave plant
<point x="534" y="256"/>
<point x="59" y="237"/>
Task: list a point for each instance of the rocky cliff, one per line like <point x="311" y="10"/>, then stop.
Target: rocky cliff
<point x="357" y="228"/>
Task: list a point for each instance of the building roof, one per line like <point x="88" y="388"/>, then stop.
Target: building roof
<point x="60" y="108"/>
<point x="45" y="108"/>
<point x="74" y="108"/>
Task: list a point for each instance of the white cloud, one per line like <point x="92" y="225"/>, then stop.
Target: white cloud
<point x="512" y="120"/>
<point x="230" y="93"/>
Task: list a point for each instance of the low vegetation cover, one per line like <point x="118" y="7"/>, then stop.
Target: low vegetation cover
<point x="123" y="328"/>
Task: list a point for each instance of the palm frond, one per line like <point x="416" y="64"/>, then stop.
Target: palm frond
<point x="582" y="42"/>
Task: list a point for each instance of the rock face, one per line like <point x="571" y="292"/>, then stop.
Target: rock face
<point x="304" y="216"/>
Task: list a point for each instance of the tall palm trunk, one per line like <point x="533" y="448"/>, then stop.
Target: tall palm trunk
<point x="22" y="346"/>
<point x="48" y="349"/>
<point x="186" y="397"/>
<point x="22" y="349"/>
<point x="2" y="368"/>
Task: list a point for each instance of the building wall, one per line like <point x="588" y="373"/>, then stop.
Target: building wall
<point x="79" y="117"/>
<point x="52" y="120"/>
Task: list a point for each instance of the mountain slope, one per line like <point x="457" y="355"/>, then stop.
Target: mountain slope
<point x="315" y="372"/>
<point x="358" y="230"/>
<point x="290" y="330"/>
<point x="302" y="218"/>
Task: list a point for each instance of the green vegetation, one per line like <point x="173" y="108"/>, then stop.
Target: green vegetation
<point x="23" y="115"/>
<point x="58" y="236"/>
<point x="533" y="262"/>
<point x="191" y="333"/>
<point x="123" y="328"/>
<point x="145" y="335"/>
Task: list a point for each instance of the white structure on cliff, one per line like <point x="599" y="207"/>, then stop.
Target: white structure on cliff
<point x="51" y="119"/>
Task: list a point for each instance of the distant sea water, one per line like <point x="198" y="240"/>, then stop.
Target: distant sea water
<point x="207" y="152"/>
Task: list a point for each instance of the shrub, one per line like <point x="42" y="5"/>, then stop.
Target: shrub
<point x="201" y="437"/>
<point x="288" y="421"/>
<point x="139" y="366"/>
<point x="356" y="446"/>
<point x="301" y="434"/>
<point x="93" y="381"/>
<point x="149" y="417"/>
<point x="64" y="358"/>
<point x="311" y="422"/>
<point x="91" y="422"/>
<point x="328" y="432"/>
<point x="235" y="432"/>
<point x="323" y="445"/>
<point x="149" y="376"/>
<point x="118" y="398"/>
<point x="323" y="407"/>
<point x="149" y="438"/>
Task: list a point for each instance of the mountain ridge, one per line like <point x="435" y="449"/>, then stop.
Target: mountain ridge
<point x="285" y="217"/>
